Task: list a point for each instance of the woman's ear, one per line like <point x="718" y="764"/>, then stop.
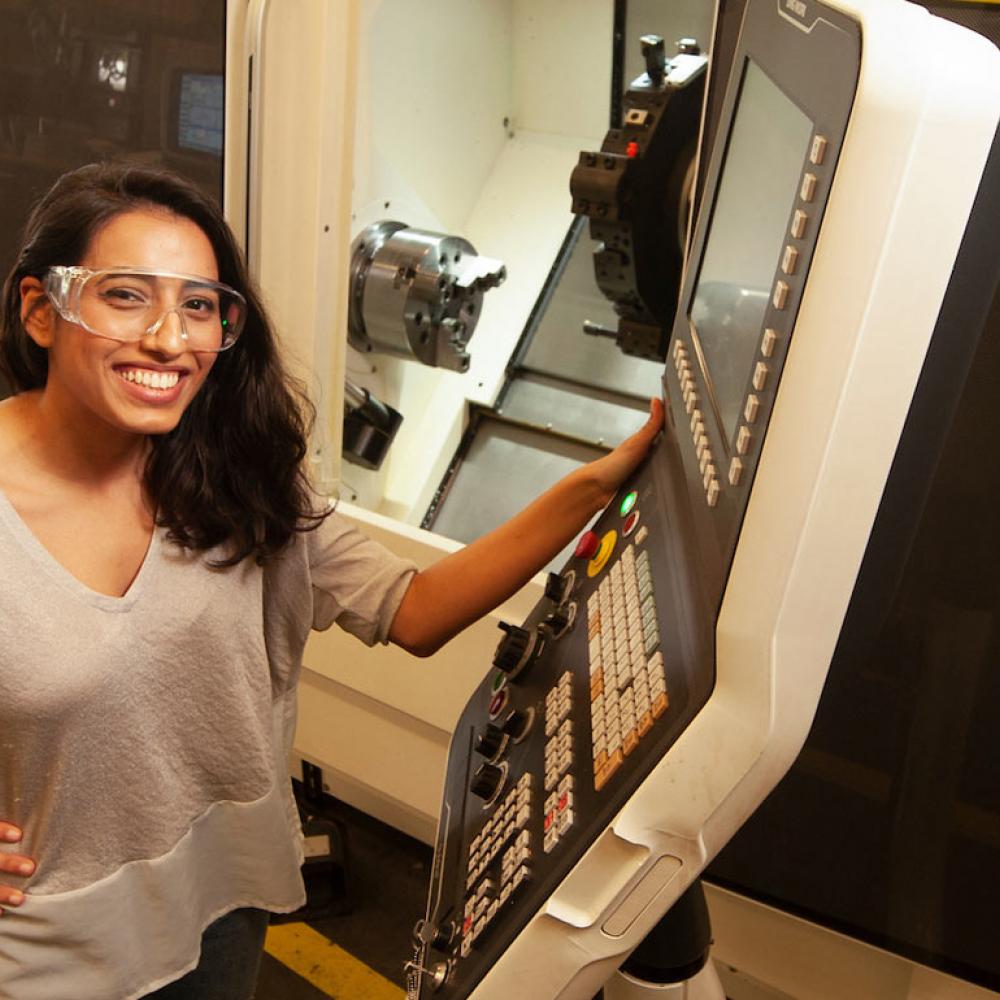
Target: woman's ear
<point x="37" y="314"/>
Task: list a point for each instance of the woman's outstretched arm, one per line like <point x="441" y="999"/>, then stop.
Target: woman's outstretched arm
<point x="459" y="589"/>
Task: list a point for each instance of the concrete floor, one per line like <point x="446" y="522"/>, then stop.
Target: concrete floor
<point x="357" y="954"/>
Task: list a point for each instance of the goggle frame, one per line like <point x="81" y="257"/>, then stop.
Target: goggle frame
<point x="64" y="283"/>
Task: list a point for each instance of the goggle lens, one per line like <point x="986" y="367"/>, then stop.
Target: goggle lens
<point x="129" y="305"/>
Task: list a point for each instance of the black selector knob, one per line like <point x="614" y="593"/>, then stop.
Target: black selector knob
<point x="558" y="620"/>
<point x="443" y="936"/>
<point x="555" y="587"/>
<point x="487" y="780"/>
<point x="491" y="741"/>
<point x="516" y="724"/>
<point x="511" y="648"/>
<point x="558" y="586"/>
<point x="516" y="649"/>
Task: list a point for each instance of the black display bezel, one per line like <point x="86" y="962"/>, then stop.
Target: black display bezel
<point x="812" y="54"/>
<point x="713" y="396"/>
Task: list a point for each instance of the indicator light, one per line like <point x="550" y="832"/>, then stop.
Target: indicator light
<point x="628" y="502"/>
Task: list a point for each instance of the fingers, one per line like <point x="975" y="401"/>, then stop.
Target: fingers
<point x="13" y="864"/>
<point x="10" y="897"/>
<point x="644" y="436"/>
<point x="655" y="414"/>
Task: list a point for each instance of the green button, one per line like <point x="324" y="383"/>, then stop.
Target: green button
<point x="628" y="503"/>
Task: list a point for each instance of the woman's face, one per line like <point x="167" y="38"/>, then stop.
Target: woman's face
<point x="95" y="377"/>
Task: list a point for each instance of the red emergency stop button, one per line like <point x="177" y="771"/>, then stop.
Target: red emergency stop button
<point x="587" y="546"/>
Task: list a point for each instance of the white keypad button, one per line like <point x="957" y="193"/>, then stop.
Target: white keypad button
<point x="743" y="440"/>
<point x="817" y="151"/>
<point x="789" y="260"/>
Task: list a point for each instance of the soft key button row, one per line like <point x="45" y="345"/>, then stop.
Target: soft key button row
<point x="627" y="679"/>
<point x="506" y="836"/>
<point x="558" y="730"/>
<point x="558" y="812"/>
<point x="689" y="391"/>
<point x="706" y="461"/>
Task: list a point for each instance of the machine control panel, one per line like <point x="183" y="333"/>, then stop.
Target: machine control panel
<point x="685" y="598"/>
<point x="582" y="699"/>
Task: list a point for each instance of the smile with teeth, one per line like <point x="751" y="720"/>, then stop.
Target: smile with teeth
<point x="150" y="379"/>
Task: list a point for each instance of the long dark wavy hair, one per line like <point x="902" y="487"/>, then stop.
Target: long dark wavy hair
<point x="231" y="473"/>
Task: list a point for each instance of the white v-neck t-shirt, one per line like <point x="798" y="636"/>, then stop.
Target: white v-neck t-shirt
<point x="144" y="744"/>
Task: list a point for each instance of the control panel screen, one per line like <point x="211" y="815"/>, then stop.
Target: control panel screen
<point x="757" y="188"/>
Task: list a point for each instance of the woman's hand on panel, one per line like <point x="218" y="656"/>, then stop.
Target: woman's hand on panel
<point x="615" y="467"/>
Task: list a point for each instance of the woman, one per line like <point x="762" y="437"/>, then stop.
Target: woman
<point x="164" y="561"/>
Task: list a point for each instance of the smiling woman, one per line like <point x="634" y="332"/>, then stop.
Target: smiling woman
<point x="164" y="560"/>
<point x="127" y="480"/>
<point x="119" y="350"/>
<point x="251" y="417"/>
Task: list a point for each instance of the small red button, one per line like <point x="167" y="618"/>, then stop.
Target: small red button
<point x="497" y="703"/>
<point x="632" y="150"/>
<point x="587" y="546"/>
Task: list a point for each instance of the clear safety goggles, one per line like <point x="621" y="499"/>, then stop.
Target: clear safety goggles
<point x="130" y="303"/>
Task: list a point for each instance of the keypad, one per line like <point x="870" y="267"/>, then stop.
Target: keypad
<point x="506" y="837"/>
<point x="558" y="813"/>
<point x="628" y="689"/>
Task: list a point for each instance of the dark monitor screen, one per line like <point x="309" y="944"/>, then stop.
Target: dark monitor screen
<point x="200" y="113"/>
<point x="757" y="188"/>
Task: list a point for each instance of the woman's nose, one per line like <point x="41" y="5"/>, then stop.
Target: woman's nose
<point x="168" y="334"/>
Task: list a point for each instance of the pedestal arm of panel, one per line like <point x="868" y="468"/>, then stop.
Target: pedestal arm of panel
<point x="667" y="680"/>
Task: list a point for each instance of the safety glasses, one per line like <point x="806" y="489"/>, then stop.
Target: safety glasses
<point x="130" y="304"/>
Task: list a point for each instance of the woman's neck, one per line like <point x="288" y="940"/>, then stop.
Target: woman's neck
<point x="72" y="451"/>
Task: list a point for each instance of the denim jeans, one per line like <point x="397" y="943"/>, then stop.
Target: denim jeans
<point x="230" y="959"/>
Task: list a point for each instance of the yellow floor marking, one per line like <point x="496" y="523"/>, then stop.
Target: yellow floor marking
<point x="327" y="966"/>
